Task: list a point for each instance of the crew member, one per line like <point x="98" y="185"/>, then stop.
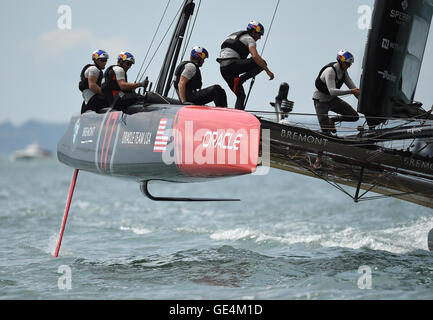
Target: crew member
<point x="328" y="87"/>
<point x="188" y="82"/>
<point x="90" y="83"/>
<point x="115" y="84"/>
<point x="234" y="65"/>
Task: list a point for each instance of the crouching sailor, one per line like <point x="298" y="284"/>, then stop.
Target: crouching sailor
<point x="188" y="82"/>
<point x="328" y="87"/>
<point x="90" y="83"/>
<point x="115" y="86"/>
<point x="234" y="65"/>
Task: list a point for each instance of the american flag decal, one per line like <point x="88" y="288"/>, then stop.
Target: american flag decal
<point x="161" y="140"/>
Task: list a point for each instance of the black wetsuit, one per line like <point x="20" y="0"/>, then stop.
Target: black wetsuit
<point x="193" y="91"/>
<point x="242" y="68"/>
<point x="332" y="103"/>
<point x="117" y="98"/>
<point x="97" y="101"/>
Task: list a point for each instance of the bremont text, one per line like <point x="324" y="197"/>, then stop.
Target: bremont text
<point x="296" y="136"/>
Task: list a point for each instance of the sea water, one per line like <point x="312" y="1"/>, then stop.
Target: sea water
<point x="290" y="237"/>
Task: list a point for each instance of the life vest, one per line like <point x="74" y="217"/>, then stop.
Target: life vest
<point x="194" y="83"/>
<point x="321" y="86"/>
<point x="110" y="87"/>
<point x="236" y="44"/>
<point x="84" y="83"/>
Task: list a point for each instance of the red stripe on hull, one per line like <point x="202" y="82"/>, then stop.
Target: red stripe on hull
<point x="114" y="117"/>
<point x="103" y="160"/>
<point x="105" y="138"/>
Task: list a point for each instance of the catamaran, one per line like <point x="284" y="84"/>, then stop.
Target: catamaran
<point x="162" y="139"/>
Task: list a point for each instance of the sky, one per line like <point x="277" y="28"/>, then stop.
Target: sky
<point x="44" y="47"/>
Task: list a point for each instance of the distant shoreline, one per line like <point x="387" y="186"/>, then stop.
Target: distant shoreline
<point x="15" y="137"/>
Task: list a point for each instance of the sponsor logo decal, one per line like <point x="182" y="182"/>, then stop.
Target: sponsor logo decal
<point x="414" y="130"/>
<point x="76" y="129"/>
<point x="418" y="164"/>
<point x="400" y="17"/>
<point x="297" y="136"/>
<point x="221" y="140"/>
<point x="88" y="132"/>
<point x="136" y="137"/>
<point x="387" y="76"/>
<point x="387" y="44"/>
<point x="162" y="138"/>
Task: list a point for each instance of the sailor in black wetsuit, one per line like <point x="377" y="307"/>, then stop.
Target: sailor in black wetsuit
<point x="188" y="82"/>
<point x="234" y="65"/>
<point x="115" y="85"/>
<point x="90" y="83"/>
<point x="328" y="87"/>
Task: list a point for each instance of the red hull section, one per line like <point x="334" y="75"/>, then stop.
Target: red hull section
<point x="214" y="142"/>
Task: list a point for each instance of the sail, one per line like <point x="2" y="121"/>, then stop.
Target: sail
<point x="393" y="58"/>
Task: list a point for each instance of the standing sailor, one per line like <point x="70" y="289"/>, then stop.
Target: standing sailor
<point x="90" y="83"/>
<point x="115" y="83"/>
<point x="328" y="87"/>
<point x="188" y="82"/>
<point x="234" y="65"/>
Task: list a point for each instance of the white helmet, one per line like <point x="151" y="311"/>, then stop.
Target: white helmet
<point x="199" y="52"/>
<point x="126" y="56"/>
<point x="99" y="54"/>
<point x="256" y="26"/>
<point x="345" y="56"/>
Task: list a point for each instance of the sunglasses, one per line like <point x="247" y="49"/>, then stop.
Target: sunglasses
<point x="103" y="60"/>
<point x="128" y="63"/>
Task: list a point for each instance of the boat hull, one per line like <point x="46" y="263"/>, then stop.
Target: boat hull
<point x="163" y="142"/>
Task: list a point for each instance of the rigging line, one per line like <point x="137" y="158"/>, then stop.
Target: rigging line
<point x="263" y="49"/>
<point x="356" y="142"/>
<point x="374" y="184"/>
<point x="190" y="29"/>
<point x="163" y="38"/>
<point x="186" y="44"/>
<point x="426" y="145"/>
<point x="423" y="123"/>
<point x="336" y="185"/>
<point x="362" y="198"/>
<point x="153" y="39"/>
<point x="332" y="183"/>
<point x="427" y="115"/>
<point x="408" y="120"/>
<point x="174" y="32"/>
<point x="426" y="192"/>
<point x="270" y="27"/>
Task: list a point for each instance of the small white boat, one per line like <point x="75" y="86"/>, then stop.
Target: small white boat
<point x="32" y="151"/>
